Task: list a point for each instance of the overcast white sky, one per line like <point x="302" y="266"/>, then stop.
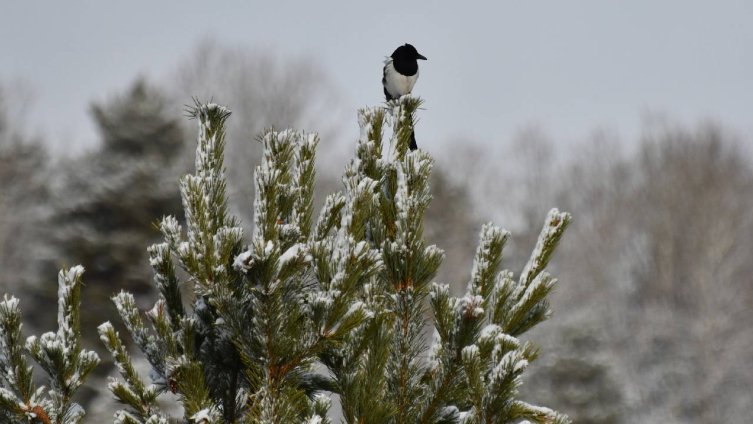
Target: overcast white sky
<point x="493" y="67"/>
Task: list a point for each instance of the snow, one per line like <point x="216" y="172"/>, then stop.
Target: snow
<point x="511" y="362"/>
<point x="114" y="385"/>
<point x="156" y="419"/>
<point x="170" y="225"/>
<point x="360" y="247"/>
<point x="504" y="282"/>
<point x="398" y="115"/>
<point x="122" y="417"/>
<point x="243" y="262"/>
<point x="268" y="249"/>
<point x="450" y="410"/>
<point x="75" y="272"/>
<point x="402" y="187"/>
<point x="66" y="283"/>
<point x="471" y="305"/>
<point x="520" y="365"/>
<point x="490" y="331"/>
<point x="294" y="253"/>
<point x="203" y="415"/>
<point x="438" y="289"/>
<point x="554" y="222"/>
<point x="88" y="356"/>
<point x="508" y="340"/>
<point x="433" y="251"/>
<point x="539" y="410"/>
<point x="355" y="306"/>
<point x="8" y="397"/>
<point x="323" y="298"/>
<point x="367" y="185"/>
<point x="225" y="236"/>
<point x="157" y="253"/>
<point x="358" y="305"/>
<point x="126" y="307"/>
<point x="489" y="235"/>
<point x="470" y="352"/>
<point x="365" y="125"/>
<point x="105" y="327"/>
<point x="502" y="342"/>
<point x="49" y="342"/>
<point x="9" y="304"/>
<point x="184" y="248"/>
<point x="466" y="416"/>
<point x="312" y="139"/>
<point x="541" y="280"/>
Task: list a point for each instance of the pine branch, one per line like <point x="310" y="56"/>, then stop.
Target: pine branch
<point x="131" y="392"/>
<point x="475" y="335"/>
<point x="59" y="354"/>
<point x="16" y="372"/>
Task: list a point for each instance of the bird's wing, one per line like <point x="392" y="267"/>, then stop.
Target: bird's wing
<point x="387" y="95"/>
<point x="387" y="61"/>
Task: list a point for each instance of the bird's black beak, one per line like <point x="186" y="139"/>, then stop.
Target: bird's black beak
<point x="420" y="56"/>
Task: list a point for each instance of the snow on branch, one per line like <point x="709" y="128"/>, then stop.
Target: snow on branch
<point x="402" y="114"/>
<point x="554" y="226"/>
<point x="58" y="353"/>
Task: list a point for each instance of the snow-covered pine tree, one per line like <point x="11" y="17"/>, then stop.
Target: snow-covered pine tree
<point x="337" y="305"/>
<point x="59" y="354"/>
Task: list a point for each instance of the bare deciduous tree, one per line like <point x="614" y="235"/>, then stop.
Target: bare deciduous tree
<point x="662" y="244"/>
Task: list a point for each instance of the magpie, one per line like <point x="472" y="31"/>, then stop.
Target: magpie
<point x="399" y="76"/>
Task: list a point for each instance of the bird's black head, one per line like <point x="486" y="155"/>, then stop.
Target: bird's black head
<point x="407" y="52"/>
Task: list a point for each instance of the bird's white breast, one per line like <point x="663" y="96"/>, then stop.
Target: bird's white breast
<point x="396" y="83"/>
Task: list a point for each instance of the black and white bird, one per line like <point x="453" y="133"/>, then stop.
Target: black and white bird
<point x="400" y="75"/>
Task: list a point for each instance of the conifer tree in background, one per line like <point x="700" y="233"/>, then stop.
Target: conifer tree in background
<point x="349" y="291"/>
<point x="24" y="198"/>
<point x="59" y="354"/>
<point x="105" y="201"/>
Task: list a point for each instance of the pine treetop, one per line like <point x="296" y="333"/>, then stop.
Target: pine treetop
<point x="307" y="306"/>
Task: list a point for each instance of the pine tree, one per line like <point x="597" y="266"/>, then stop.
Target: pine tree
<point x="338" y="304"/>
<point x="305" y="308"/>
<point x="59" y="354"/>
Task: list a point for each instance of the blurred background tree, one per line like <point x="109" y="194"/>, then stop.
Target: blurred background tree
<point x="662" y="247"/>
<point x="105" y="201"/>
<point x="580" y="379"/>
<point x="24" y="176"/>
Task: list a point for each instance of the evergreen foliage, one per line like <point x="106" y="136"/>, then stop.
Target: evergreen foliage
<point x="337" y="305"/>
<point x="308" y="306"/>
<point x="59" y="354"/>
